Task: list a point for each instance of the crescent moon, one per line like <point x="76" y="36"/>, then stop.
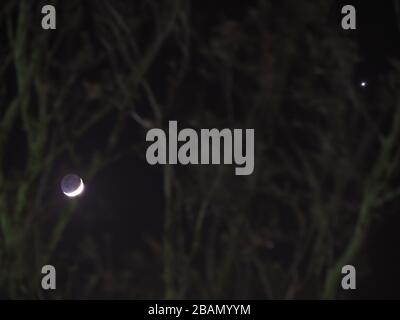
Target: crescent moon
<point x="77" y="191"/>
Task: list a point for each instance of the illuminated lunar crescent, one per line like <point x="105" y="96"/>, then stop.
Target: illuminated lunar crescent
<point x="72" y="185"/>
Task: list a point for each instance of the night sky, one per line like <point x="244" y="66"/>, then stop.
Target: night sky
<point x="112" y="247"/>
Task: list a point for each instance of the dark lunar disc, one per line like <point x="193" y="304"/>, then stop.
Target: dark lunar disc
<point x="70" y="183"/>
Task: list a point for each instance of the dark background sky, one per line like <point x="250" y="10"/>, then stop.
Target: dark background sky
<point x="121" y="209"/>
<point x="378" y="35"/>
<point x="130" y="189"/>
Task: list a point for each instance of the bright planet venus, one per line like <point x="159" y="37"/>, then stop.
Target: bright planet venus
<point x="72" y="185"/>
